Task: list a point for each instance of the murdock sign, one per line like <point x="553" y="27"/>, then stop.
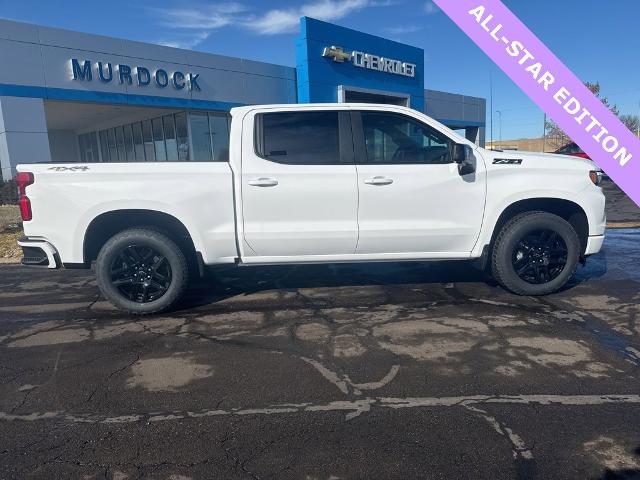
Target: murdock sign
<point x="106" y="72"/>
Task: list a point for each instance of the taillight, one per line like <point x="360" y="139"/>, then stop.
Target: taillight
<point x="24" y="179"/>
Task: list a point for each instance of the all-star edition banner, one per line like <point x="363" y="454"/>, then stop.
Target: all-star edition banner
<point x="551" y="85"/>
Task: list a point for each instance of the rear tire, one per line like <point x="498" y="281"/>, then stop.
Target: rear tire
<point x="535" y="253"/>
<point x="142" y="271"/>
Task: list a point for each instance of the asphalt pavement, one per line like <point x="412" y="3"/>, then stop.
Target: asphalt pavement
<point x="392" y="370"/>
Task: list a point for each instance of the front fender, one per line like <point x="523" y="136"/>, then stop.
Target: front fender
<point x="590" y="200"/>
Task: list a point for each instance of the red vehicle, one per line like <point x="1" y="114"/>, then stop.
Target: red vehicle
<point x="572" y="149"/>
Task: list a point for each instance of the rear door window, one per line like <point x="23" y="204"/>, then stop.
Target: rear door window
<point x="301" y="138"/>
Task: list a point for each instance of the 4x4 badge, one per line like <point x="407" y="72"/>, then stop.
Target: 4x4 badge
<point x="81" y="168"/>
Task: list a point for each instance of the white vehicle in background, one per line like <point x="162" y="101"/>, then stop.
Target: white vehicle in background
<point x="315" y="184"/>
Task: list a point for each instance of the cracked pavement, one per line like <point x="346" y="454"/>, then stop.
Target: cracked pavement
<point x="394" y="370"/>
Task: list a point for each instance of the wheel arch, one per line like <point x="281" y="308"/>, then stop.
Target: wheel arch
<point x="569" y="210"/>
<point x="107" y="224"/>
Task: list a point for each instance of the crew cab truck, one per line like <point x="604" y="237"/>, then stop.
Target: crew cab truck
<point x="315" y="183"/>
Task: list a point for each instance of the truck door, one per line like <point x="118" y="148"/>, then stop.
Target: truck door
<point x="299" y="184"/>
<point x="412" y="198"/>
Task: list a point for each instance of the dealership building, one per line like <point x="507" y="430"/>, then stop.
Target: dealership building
<point x="67" y="96"/>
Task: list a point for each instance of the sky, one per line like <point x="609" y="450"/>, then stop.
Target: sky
<point x="598" y="40"/>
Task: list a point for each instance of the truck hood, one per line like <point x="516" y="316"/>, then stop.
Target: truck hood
<point x="541" y="160"/>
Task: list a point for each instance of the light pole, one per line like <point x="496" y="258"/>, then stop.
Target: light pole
<point x="638" y="122"/>
<point x="493" y="147"/>
<point x="499" y="112"/>
<point x="544" y="133"/>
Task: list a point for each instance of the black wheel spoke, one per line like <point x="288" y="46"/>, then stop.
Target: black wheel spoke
<point x="541" y="240"/>
<point x="134" y="254"/>
<point x="546" y="275"/>
<point x="557" y="260"/>
<point x="158" y="262"/>
<point x="552" y="238"/>
<point x="124" y="260"/>
<point x="116" y="272"/>
<point x="145" y="293"/>
<point x="159" y="277"/>
<point x="524" y="268"/>
<point x="158" y="287"/>
<point x="540" y="256"/>
<point x="147" y="255"/>
<point x="536" y="273"/>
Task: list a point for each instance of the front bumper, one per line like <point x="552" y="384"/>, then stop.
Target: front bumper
<point x="594" y="244"/>
<point x="38" y="252"/>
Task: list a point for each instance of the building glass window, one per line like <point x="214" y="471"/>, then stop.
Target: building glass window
<point x="104" y="146"/>
<point x="183" y="137"/>
<point x="122" y="157"/>
<point x="170" y="138"/>
<point x="113" y="152"/>
<point x="88" y="143"/>
<point x="200" y="137"/>
<point x="158" y="140"/>
<point x="219" y="125"/>
<point x="82" y="141"/>
<point x="83" y="148"/>
<point x="147" y="137"/>
<point x="128" y="143"/>
<point x="138" y="147"/>
<point x="94" y="147"/>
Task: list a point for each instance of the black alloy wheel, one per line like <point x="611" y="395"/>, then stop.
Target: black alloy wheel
<point x="141" y="273"/>
<point x="535" y="253"/>
<point x="142" y="270"/>
<point x="540" y="256"/>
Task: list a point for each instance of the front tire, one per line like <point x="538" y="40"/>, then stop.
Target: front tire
<point x="535" y="253"/>
<point x="142" y="271"/>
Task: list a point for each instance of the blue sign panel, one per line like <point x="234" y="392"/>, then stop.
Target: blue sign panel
<point x="332" y="58"/>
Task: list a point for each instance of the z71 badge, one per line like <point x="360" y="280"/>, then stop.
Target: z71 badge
<point x="507" y="161"/>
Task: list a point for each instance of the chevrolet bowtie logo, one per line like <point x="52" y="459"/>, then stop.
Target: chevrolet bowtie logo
<point x="337" y="53"/>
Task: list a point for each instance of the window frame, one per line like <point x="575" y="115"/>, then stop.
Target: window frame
<point x="360" y="146"/>
<point x="345" y="137"/>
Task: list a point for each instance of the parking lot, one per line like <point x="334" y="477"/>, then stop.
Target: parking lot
<point x="412" y="370"/>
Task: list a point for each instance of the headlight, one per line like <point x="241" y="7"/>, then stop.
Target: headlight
<point x="596" y="177"/>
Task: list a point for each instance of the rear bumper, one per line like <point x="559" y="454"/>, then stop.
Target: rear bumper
<point x="594" y="244"/>
<point x="38" y="252"/>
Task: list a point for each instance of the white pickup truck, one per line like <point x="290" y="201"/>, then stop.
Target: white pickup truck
<point x="315" y="183"/>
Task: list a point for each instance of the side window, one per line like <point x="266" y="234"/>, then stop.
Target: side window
<point x="392" y="138"/>
<point x="299" y="138"/>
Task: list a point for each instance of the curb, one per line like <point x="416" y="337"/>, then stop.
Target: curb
<point x="9" y="261"/>
<point x="623" y="225"/>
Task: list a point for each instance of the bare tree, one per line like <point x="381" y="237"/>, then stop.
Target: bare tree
<point x="632" y="122"/>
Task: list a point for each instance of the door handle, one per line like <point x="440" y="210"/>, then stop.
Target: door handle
<point x="263" y="182"/>
<point x="378" y="181"/>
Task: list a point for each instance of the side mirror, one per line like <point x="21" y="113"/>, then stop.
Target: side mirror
<point x="463" y="156"/>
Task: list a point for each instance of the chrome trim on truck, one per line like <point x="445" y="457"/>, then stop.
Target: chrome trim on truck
<point x="48" y="251"/>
